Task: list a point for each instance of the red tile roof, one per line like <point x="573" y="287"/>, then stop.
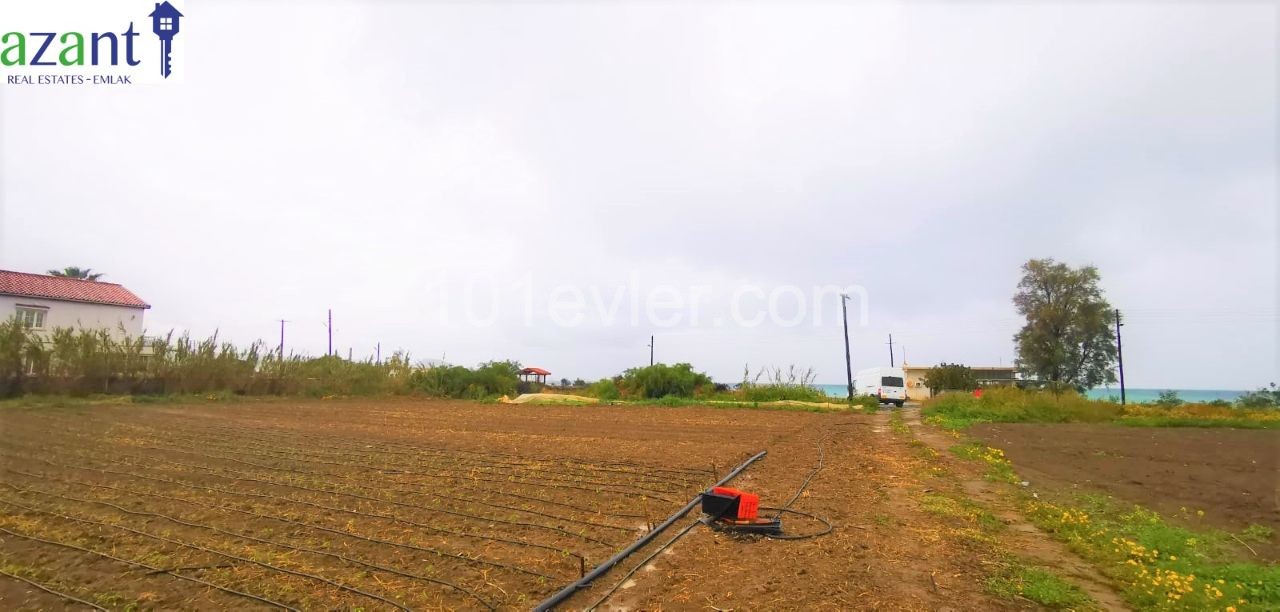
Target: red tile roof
<point x="538" y="371"/>
<point x="67" y="289"/>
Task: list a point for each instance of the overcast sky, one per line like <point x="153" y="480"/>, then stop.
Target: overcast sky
<point x="379" y="158"/>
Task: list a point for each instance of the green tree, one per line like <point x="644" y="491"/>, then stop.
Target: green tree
<point x="74" y="272"/>
<point x="950" y="377"/>
<point x="1067" y="340"/>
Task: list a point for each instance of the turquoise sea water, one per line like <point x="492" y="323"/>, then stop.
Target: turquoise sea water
<point x="1131" y="394"/>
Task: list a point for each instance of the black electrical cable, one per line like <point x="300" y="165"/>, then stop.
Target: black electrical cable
<point x="805" y="485"/>
<point x="806" y="536"/>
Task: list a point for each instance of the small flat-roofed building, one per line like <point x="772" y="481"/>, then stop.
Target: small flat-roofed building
<point x="987" y="376"/>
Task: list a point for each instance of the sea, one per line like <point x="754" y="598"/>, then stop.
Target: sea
<point x="1131" y="394"/>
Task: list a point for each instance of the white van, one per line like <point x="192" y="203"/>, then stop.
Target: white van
<point x="885" y="383"/>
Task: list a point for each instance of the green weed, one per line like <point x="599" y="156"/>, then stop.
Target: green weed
<point x="1039" y="585"/>
<point x="1159" y="565"/>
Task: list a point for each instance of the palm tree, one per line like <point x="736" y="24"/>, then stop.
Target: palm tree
<point x="74" y="272"/>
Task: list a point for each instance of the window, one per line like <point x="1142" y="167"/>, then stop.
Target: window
<point x="166" y="23"/>
<point x="31" y="317"/>
<point x="890" y="381"/>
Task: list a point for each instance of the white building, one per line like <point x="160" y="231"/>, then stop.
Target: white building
<point x="40" y="301"/>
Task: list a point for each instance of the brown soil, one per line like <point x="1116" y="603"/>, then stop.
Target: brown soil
<point x="366" y="504"/>
<point x="1232" y="475"/>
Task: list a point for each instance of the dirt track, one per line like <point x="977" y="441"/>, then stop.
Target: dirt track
<point x="363" y="504"/>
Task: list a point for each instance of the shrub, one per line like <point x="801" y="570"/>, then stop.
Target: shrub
<point x="90" y="361"/>
<point x="604" y="389"/>
<point x="1264" y="397"/>
<point x="1010" y="405"/>
<point x="489" y="379"/>
<point x="661" y="380"/>
<point x="950" y="377"/>
<point x="1168" y="399"/>
<point x="866" y="401"/>
<point x="774" y="392"/>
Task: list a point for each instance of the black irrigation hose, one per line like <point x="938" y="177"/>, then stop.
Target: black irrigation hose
<point x="356" y="536"/>
<point x="329" y="492"/>
<point x="778" y="512"/>
<point x="282" y="570"/>
<point x="151" y="568"/>
<point x="628" y="575"/>
<point x="599" y="570"/>
<point x="607" y="594"/>
<point x="53" y="592"/>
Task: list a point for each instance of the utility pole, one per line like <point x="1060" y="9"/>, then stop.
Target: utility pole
<point x="330" y="326"/>
<point x="848" y="362"/>
<point x="651" y="350"/>
<point x="891" y="350"/>
<point x="282" y="322"/>
<point x="1120" y="355"/>
<point x="349" y="351"/>
<point x="378" y="352"/>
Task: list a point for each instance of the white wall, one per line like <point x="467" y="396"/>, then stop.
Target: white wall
<point x="77" y="314"/>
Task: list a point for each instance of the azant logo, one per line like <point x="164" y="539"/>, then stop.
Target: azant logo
<point x="48" y="54"/>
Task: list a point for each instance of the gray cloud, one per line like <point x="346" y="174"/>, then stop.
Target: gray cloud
<point x="362" y="155"/>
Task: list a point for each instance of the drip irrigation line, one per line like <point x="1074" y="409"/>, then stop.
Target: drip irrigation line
<point x="352" y="451"/>
<point x="561" y="551"/>
<point x="439" y="553"/>
<point x="550" y="482"/>
<point x="439" y="450"/>
<point x="151" y="568"/>
<point x="343" y="558"/>
<point x="50" y="591"/>
<point x="338" y="585"/>
<point x="507" y="493"/>
<point x="244" y="478"/>
<point x="364" y="487"/>
<point x="438" y="476"/>
<point x="600" y="570"/>
<point x="329" y="492"/>
<point x="490" y="455"/>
